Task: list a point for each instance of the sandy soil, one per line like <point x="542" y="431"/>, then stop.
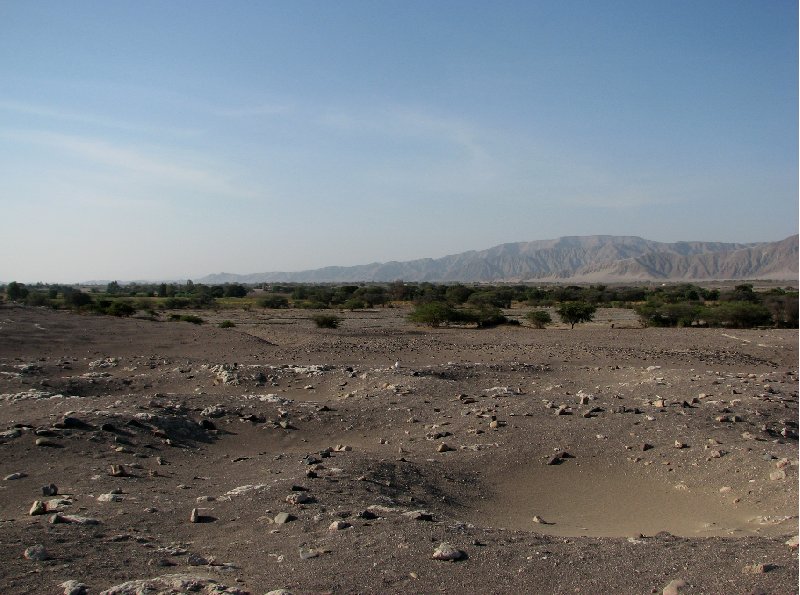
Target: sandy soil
<point x="593" y="460"/>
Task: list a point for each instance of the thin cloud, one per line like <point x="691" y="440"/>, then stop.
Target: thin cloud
<point x="466" y="155"/>
<point x="157" y="165"/>
<point x="71" y="116"/>
<point x="265" y="109"/>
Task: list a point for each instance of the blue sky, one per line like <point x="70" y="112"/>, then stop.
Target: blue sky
<point x="167" y="140"/>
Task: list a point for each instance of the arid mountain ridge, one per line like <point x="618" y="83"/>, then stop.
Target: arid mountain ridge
<point x="599" y="258"/>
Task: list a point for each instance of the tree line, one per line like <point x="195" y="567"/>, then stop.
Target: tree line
<point x="740" y="306"/>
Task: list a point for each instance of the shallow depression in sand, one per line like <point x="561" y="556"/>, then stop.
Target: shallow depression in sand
<point x="608" y="501"/>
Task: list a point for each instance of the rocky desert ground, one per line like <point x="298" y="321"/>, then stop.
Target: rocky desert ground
<point x="144" y="456"/>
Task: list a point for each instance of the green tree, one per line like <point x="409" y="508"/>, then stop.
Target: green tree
<point x="458" y="294"/>
<point x="76" y="298"/>
<point x="16" y="291"/>
<point x="354" y="304"/>
<point x="656" y="313"/>
<point x="539" y="318"/>
<point x="235" y="290"/>
<point x="433" y="314"/>
<point x="738" y="314"/>
<point x="574" y="312"/>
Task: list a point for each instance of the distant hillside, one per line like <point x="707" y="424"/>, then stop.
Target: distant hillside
<point x="573" y="258"/>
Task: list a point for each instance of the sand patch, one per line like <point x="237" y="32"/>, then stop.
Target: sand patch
<point x="618" y="501"/>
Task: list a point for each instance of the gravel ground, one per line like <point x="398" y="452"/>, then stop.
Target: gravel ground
<point x="603" y="459"/>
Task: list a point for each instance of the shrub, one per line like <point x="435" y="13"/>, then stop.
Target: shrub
<point x="120" y="309"/>
<point x="539" y="318"/>
<point x="273" y="301"/>
<point x="326" y="320"/>
<point x="176" y="303"/>
<point x="77" y="299"/>
<point x="37" y="298"/>
<point x="485" y="316"/>
<point x="654" y="313"/>
<point x="191" y="318"/>
<point x="433" y="314"/>
<point x="738" y="314"/>
<point x="227" y="324"/>
<point x="354" y="304"/>
<point x="311" y="305"/>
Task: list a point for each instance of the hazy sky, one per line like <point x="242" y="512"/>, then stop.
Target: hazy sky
<point x="172" y="139"/>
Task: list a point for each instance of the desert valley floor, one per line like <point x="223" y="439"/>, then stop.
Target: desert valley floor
<point x="275" y="455"/>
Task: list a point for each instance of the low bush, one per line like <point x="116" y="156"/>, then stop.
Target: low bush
<point x="354" y="304"/>
<point x="311" y="305"/>
<point x="37" y="298"/>
<point x="433" y="314"/>
<point x="539" y="318"/>
<point x="326" y="321"/>
<point x="120" y="309"/>
<point x="227" y="324"/>
<point x="273" y="301"/>
<point x="191" y="318"/>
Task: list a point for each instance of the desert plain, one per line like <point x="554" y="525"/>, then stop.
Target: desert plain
<point x="151" y="456"/>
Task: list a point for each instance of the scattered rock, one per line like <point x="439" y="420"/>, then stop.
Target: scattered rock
<point x="308" y="553"/>
<point x="418" y="515"/>
<point x="38" y="508"/>
<point x="214" y="411"/>
<point x="674" y="587"/>
<point x="444" y="447"/>
<point x="173" y="583"/>
<point x="72" y="519"/>
<point x="10" y="435"/>
<point x="36" y="553"/>
<point x="448" y="553"/>
<point x="299" y="498"/>
<point x="118" y="471"/>
<point x="13" y="476"/>
<point x="758" y="568"/>
<point x="74" y="588"/>
<point x="338" y="526"/>
<point x="50" y="490"/>
<point x="197" y="560"/>
<point x="283" y="517"/>
<point x="48" y="443"/>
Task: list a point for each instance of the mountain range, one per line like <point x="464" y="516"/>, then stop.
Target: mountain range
<point x="599" y="258"/>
